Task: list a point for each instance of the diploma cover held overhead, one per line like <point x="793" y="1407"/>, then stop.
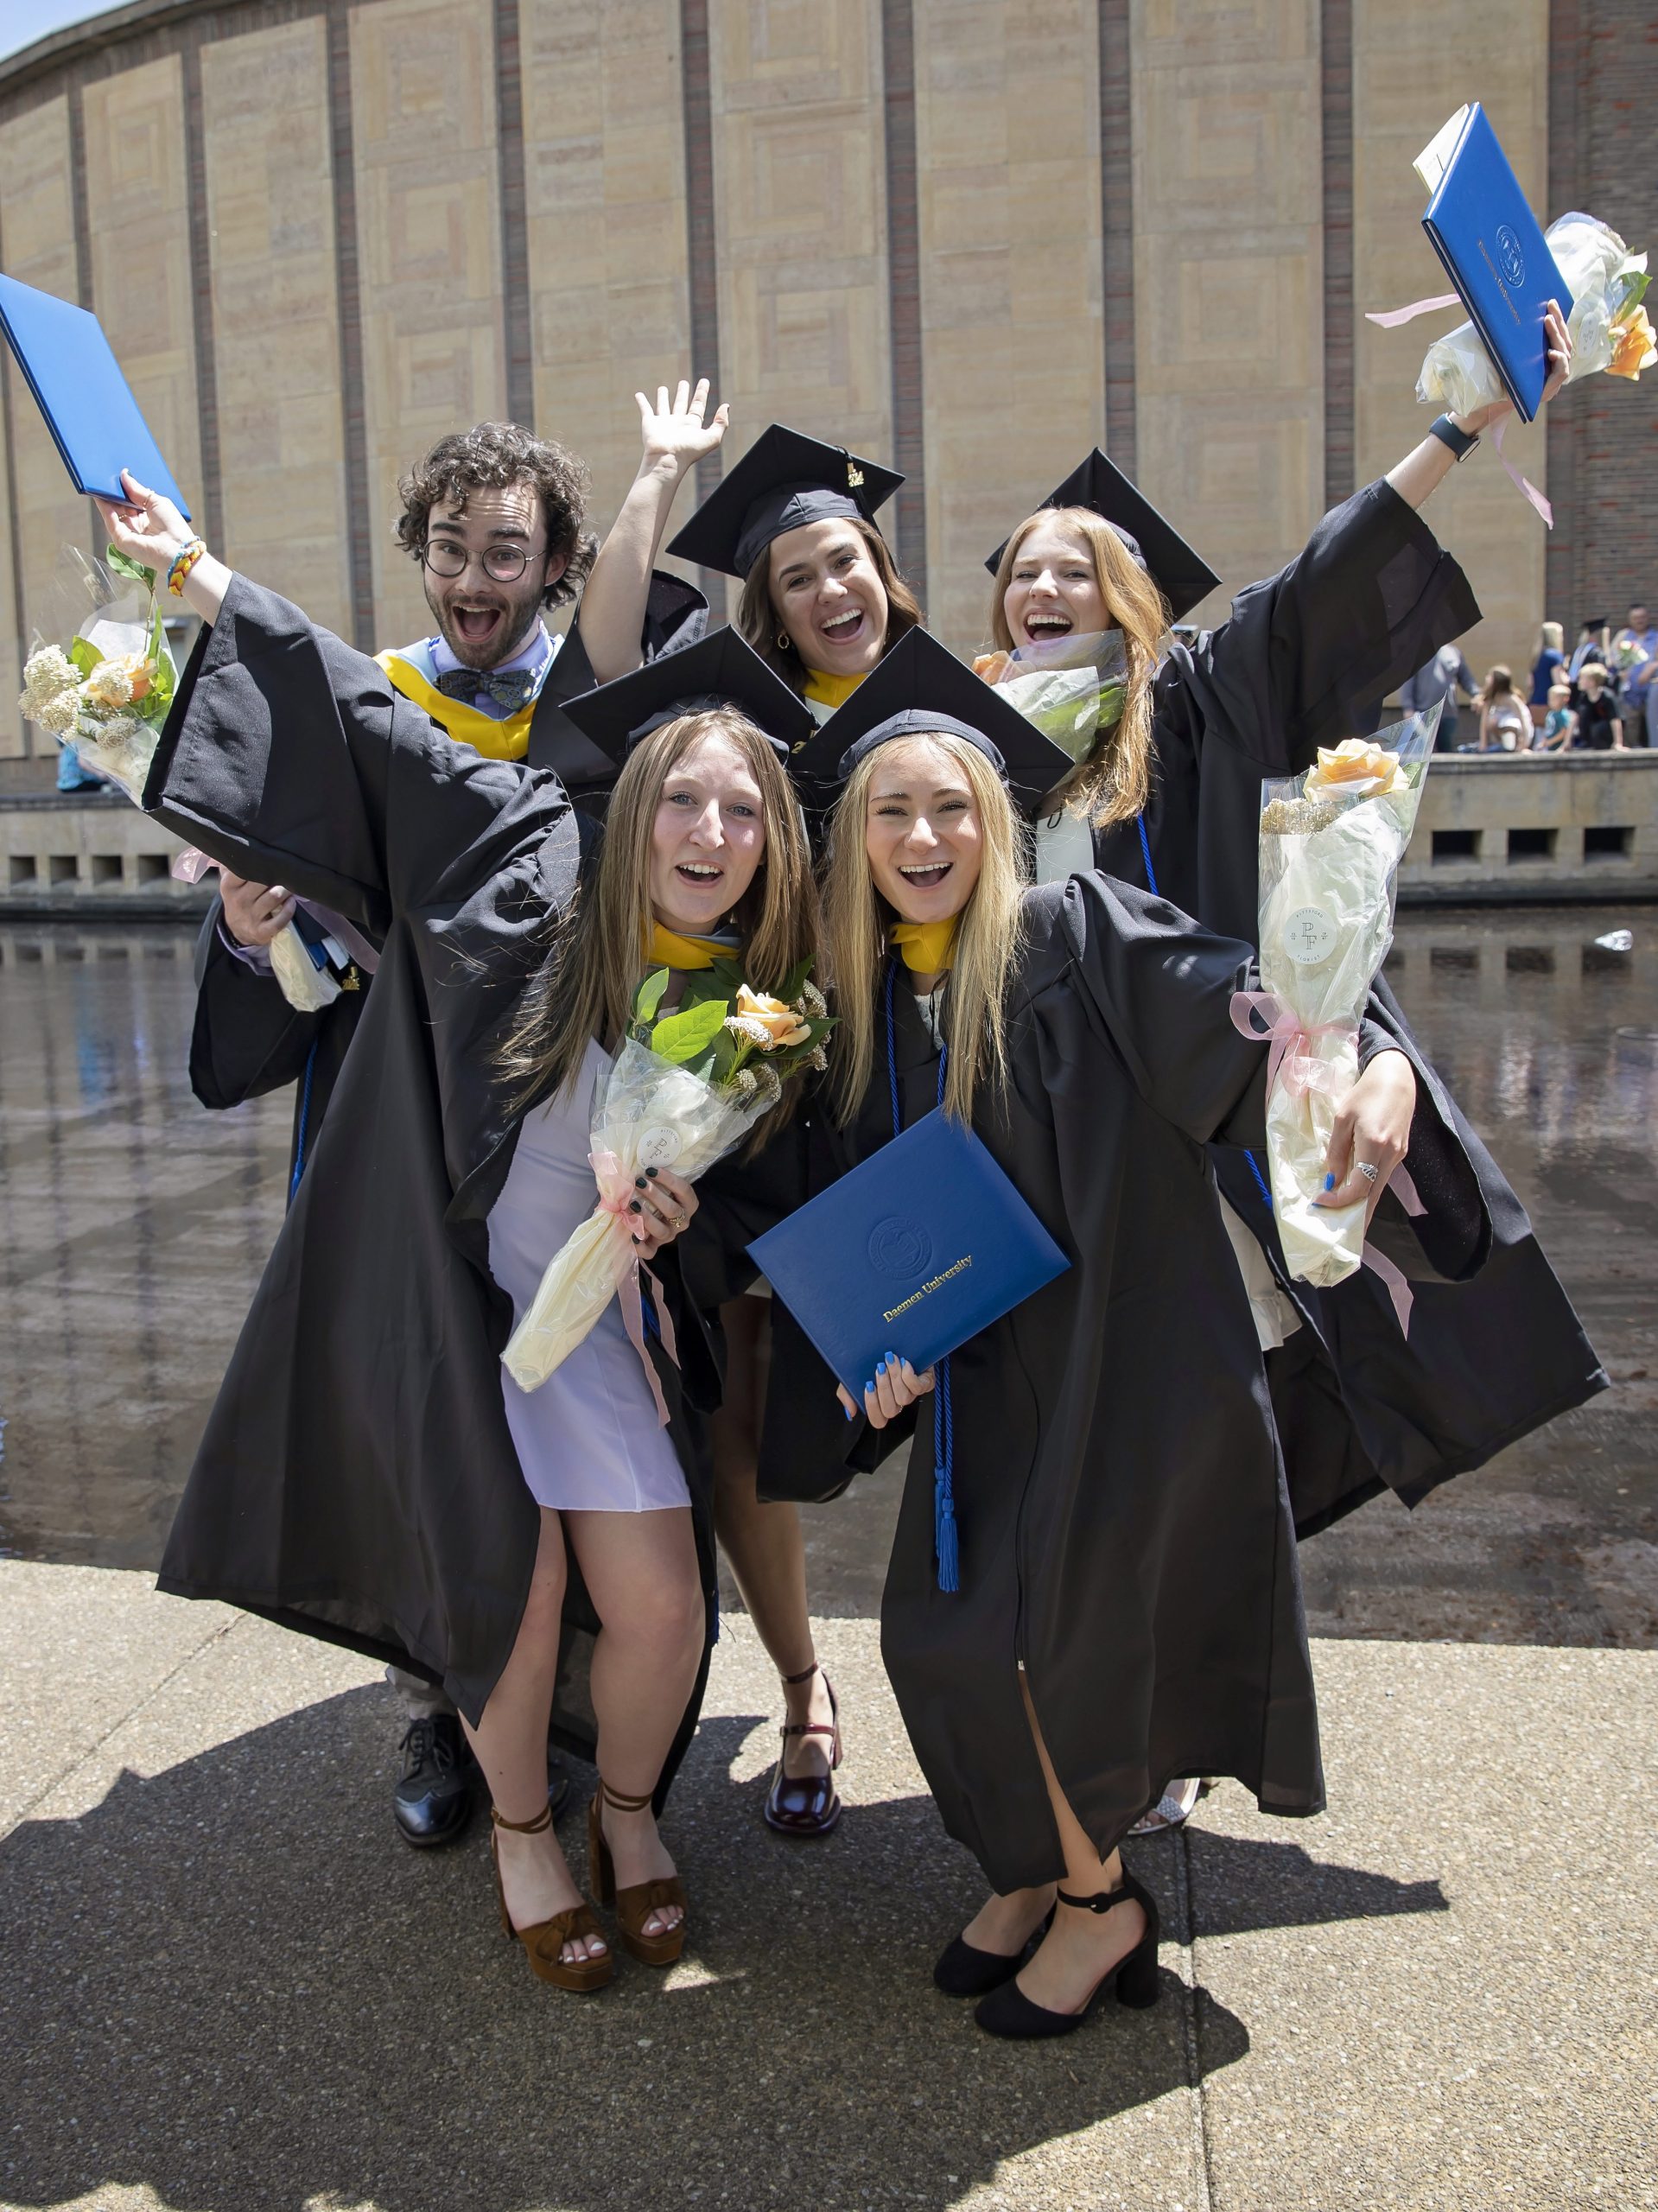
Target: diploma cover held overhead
<point x="915" y="1250"/>
<point x="78" y="388"/>
<point x="1493" y="250"/>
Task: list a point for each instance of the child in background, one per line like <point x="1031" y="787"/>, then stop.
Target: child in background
<point x="1504" y="725"/>
<point x="1559" y="723"/>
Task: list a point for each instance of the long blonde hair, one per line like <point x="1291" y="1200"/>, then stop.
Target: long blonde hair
<point x="585" y="986"/>
<point x="988" y="938"/>
<point x="760" y="623"/>
<point x="1113" y="780"/>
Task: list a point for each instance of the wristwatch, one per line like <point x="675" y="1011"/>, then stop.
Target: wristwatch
<point x="1461" y="443"/>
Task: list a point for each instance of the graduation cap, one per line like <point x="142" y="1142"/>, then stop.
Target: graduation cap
<point x="1183" y="577"/>
<point x="919" y="690"/>
<point x="784" y="480"/>
<point x="722" y="670"/>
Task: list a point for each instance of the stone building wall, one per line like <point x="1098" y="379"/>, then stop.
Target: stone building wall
<point x="973" y="237"/>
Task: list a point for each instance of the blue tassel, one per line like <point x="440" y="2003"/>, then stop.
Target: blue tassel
<point x="949" y="1563"/>
<point x="944" y="1484"/>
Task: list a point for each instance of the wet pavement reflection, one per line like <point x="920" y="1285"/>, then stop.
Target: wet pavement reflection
<point x="133" y="1226"/>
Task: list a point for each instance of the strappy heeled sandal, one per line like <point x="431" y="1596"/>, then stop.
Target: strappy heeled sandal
<point x="806" y="1804"/>
<point x="634" y="1904"/>
<point x="547" y="1938"/>
<point x="1008" y="2012"/>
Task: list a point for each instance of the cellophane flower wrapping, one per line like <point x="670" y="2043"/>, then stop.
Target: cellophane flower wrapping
<point x="733" y="1051"/>
<point x="109" y="690"/>
<point x="1608" y="325"/>
<point x="1331" y="840"/>
<point x="307" y="988"/>
<point x="1070" y="690"/>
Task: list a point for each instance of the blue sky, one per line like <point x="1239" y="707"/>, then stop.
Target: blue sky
<point x="22" y="22"/>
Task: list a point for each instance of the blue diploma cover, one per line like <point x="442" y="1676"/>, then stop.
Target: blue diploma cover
<point x="913" y="1251"/>
<point x="78" y="388"/>
<point x="1493" y="251"/>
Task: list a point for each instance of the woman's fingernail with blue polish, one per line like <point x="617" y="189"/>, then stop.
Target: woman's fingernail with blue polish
<point x="1329" y="1182"/>
<point x="847" y="1410"/>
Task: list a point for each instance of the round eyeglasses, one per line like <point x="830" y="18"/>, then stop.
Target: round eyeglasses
<point x="504" y="563"/>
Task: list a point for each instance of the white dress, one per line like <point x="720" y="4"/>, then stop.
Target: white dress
<point x="589" y="1440"/>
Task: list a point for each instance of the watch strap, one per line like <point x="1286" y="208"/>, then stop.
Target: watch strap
<point x="1461" y="443"/>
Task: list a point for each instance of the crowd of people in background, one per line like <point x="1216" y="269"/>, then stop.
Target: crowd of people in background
<point x="1601" y="698"/>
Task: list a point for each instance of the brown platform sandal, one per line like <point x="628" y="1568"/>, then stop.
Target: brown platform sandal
<point x="806" y="1804"/>
<point x="547" y="1938"/>
<point x="634" y="1904"/>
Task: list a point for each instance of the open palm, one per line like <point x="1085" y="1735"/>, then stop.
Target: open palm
<point x="674" y="430"/>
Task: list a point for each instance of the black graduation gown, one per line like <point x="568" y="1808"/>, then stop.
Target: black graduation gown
<point x="246" y="1041"/>
<point x="357" y="1479"/>
<point x="1495" y="1348"/>
<point x="1124" y="1526"/>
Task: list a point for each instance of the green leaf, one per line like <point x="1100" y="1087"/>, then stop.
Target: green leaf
<point x="84" y="656"/>
<point x="728" y="973"/>
<point x="681" y="1037"/>
<point x="794" y="982"/>
<point x="123" y="564"/>
<point x="648" y="997"/>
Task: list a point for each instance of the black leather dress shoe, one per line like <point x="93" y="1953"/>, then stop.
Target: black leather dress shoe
<point x="432" y="1803"/>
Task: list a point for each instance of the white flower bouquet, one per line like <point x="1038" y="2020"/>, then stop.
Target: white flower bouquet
<point x="110" y="689"/>
<point x="1331" y="840"/>
<point x="685" y="1088"/>
<point x="1070" y="690"/>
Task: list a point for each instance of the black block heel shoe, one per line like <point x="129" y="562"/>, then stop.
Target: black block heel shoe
<point x="1008" y="2012"/>
<point x="961" y="1970"/>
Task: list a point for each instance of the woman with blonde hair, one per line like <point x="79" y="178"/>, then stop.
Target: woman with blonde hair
<point x="1126" y="1605"/>
<point x="1547" y="670"/>
<point x="370" y="1473"/>
<point x="1168" y="794"/>
<point x="793" y="522"/>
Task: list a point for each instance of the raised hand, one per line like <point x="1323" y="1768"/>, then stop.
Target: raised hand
<point x="673" y="433"/>
<point x="1557" y="340"/>
<point x="146" y="526"/>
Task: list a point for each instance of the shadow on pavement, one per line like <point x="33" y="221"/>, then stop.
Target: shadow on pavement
<point x="230" y="1982"/>
<point x="1240" y="1887"/>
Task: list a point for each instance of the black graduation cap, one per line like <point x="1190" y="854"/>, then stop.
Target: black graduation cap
<point x="785" y="479"/>
<point x="1183" y="577"/>
<point x="722" y="670"/>
<point x="921" y="687"/>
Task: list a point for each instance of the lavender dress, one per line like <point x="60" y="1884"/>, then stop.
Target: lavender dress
<point x="588" y="1438"/>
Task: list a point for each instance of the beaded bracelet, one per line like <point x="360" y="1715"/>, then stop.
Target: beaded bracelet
<point x="183" y="560"/>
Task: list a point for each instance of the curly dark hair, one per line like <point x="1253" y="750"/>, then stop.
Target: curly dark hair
<point x="488" y="457"/>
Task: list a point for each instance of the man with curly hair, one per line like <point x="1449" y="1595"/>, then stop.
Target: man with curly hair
<point x="496" y="519"/>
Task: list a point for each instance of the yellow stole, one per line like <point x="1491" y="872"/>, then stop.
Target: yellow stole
<point x="826" y="690"/>
<point x="497" y="740"/>
<point x="925" y="948"/>
<point x="669" y="949"/>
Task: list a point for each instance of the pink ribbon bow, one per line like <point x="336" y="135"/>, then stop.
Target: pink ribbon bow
<point x="1291" y="1060"/>
<point x="615" y="1192"/>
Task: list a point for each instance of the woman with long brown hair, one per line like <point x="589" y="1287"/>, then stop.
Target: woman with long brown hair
<point x="370" y="1473"/>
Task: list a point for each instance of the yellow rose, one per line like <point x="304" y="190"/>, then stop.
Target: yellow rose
<point x="1634" y="349"/>
<point x="1355" y="767"/>
<point x="773" y="1023"/>
<point x="119" y="679"/>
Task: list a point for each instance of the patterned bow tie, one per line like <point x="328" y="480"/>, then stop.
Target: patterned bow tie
<point x="508" y="686"/>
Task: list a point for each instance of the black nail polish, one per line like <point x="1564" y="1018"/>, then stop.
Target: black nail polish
<point x="633" y="1205"/>
<point x="640" y="1183"/>
<point x="649" y="1171"/>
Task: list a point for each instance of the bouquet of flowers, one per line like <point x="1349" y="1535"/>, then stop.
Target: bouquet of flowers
<point x="1331" y="840"/>
<point x="1608" y="326"/>
<point x="111" y="690"/>
<point x="686" y="1087"/>
<point x="1071" y="688"/>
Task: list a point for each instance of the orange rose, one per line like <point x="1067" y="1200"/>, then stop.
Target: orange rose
<point x="1636" y="348"/>
<point x="767" y="1021"/>
<point x="995" y="667"/>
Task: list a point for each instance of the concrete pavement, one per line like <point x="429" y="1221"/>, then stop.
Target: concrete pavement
<point x="226" y="1987"/>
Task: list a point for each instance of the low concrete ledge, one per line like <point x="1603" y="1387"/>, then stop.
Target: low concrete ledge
<point x="87" y="855"/>
<point x="1507" y="829"/>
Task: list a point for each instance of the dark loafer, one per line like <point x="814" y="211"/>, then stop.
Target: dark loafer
<point x="806" y="1804"/>
<point x="433" y="1799"/>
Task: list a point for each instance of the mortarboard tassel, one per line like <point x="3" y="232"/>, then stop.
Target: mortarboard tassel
<point x="943" y="1493"/>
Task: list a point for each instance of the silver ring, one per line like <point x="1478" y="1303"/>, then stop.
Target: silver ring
<point x="1369" y="1169"/>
